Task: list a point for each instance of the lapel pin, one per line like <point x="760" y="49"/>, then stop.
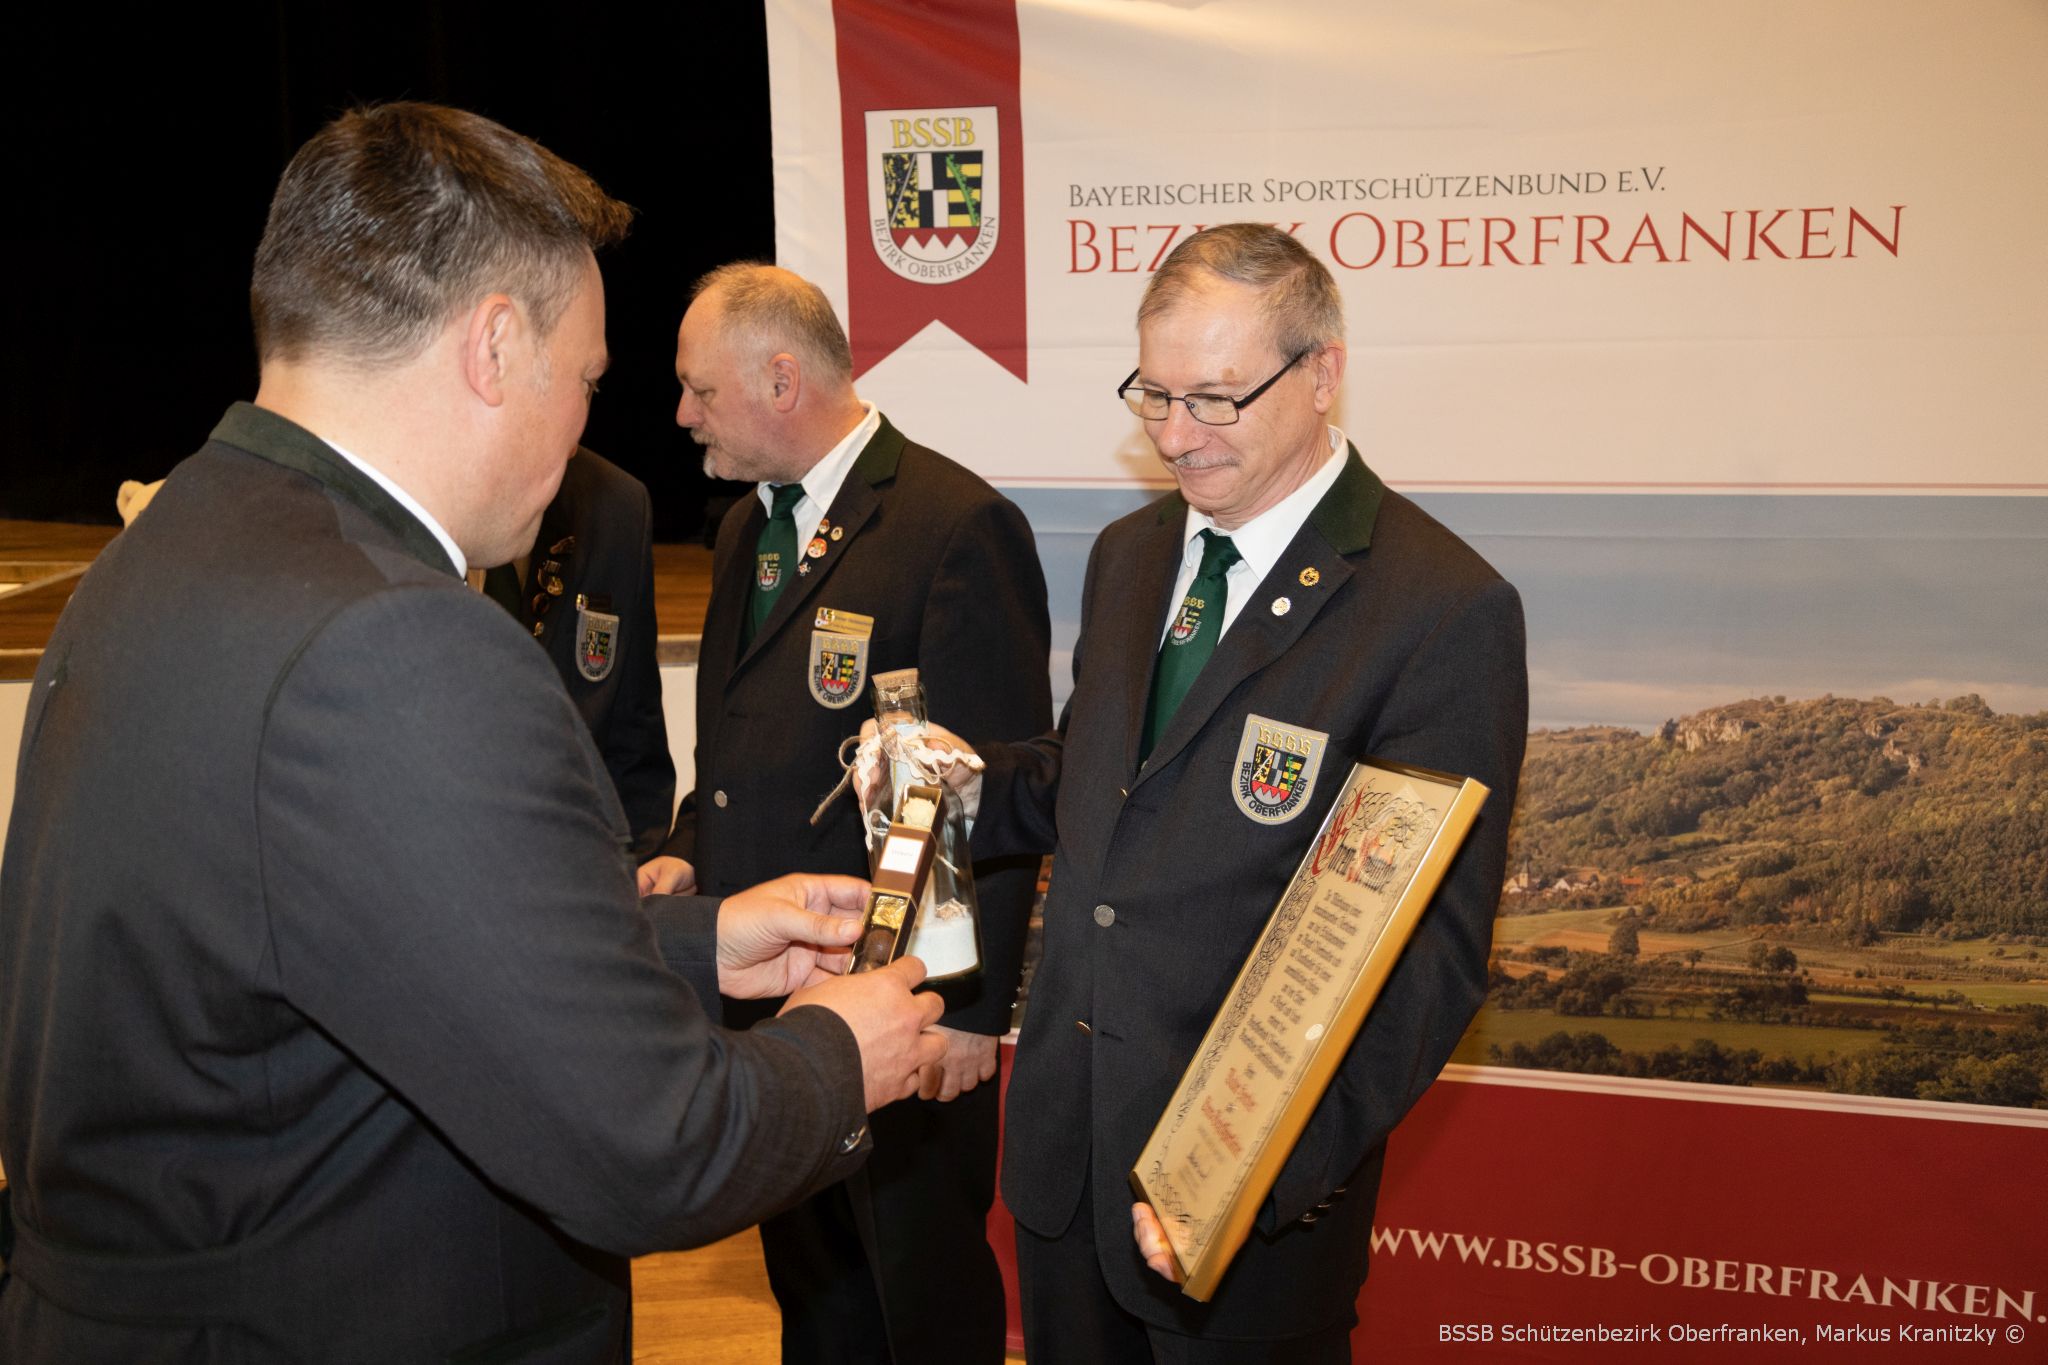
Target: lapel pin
<point x="838" y="532"/>
<point x="563" y="546"/>
<point x="816" y="549"/>
<point x="1310" y="577"/>
<point x="1281" y="606"/>
<point x="803" y="567"/>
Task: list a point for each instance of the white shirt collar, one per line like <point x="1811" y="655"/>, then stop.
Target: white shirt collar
<point x="405" y="500"/>
<point x="1262" y="540"/>
<point x="821" y="486"/>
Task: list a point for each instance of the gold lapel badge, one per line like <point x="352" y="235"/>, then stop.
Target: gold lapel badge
<point x="1310" y="577"/>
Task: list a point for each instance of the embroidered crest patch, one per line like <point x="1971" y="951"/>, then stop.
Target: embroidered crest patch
<point x="838" y="661"/>
<point x="1276" y="769"/>
<point x="1186" y="621"/>
<point x="597" y="643"/>
<point x="767" y="570"/>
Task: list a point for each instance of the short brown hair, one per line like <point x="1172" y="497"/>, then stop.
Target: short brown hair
<point x="395" y="216"/>
<point x="779" y="310"/>
<point x="1301" y="303"/>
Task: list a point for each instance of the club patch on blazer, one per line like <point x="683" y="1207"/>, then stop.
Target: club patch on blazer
<point x="1276" y="769"/>
<point x="597" y="643"/>
<point x="838" y="661"/>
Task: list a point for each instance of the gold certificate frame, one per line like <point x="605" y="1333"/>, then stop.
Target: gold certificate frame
<point x="1295" y="1007"/>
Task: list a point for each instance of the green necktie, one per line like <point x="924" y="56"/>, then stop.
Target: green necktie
<point x="774" y="558"/>
<point x="1191" y="639"/>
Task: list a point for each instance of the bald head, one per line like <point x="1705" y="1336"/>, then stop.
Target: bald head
<point x="768" y="309"/>
<point x="766" y="372"/>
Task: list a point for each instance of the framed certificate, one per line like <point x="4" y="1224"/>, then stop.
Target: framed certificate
<point x="1295" y="1007"/>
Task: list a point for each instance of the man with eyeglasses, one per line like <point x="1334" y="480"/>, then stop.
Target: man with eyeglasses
<point x="1282" y="598"/>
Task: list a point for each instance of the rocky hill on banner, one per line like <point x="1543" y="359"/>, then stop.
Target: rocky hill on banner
<point x="1848" y="895"/>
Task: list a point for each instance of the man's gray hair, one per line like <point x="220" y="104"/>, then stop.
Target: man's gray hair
<point x="770" y="310"/>
<point x="395" y="217"/>
<point x="1302" y="307"/>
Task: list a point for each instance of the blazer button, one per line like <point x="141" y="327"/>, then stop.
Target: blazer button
<point x="1082" y="1026"/>
<point x="852" y="1139"/>
<point x="1309" y="1219"/>
<point x="718" y="799"/>
<point x="1105" y="915"/>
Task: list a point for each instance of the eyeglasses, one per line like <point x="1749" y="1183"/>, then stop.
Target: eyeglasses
<point x="1210" y="409"/>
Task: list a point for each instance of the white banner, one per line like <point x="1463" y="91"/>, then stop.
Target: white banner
<point x="1757" y="246"/>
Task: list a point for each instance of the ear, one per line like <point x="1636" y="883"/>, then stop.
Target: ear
<point x="486" y="343"/>
<point x="785" y="382"/>
<point x="1327" y="366"/>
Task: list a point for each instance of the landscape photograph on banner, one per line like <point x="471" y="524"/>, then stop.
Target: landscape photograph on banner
<point x="1783" y="822"/>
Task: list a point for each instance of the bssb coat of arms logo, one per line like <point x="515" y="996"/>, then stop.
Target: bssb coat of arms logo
<point x="1276" y="769"/>
<point x="839" y="665"/>
<point x="597" y="643"/>
<point x="932" y="190"/>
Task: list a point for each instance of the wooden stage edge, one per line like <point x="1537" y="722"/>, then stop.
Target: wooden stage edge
<point x="47" y="559"/>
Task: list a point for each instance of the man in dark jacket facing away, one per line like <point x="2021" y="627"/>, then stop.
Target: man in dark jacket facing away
<point x="330" y="1025"/>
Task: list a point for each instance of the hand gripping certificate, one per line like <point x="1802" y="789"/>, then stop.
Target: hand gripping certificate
<point x="1295" y="1007"/>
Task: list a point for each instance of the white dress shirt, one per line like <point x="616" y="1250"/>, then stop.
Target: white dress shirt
<point x="822" y="484"/>
<point x="1260" y="541"/>
<point x="405" y="500"/>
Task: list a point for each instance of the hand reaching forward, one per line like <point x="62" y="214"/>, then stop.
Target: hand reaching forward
<point x="958" y="766"/>
<point x="784" y="935"/>
<point x="893" y="1026"/>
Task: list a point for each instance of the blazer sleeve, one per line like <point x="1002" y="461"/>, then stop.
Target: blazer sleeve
<point x="449" y="897"/>
<point x="1021" y="785"/>
<point x="1460" y="704"/>
<point x="982" y="651"/>
<point x="686" y="934"/>
<point x="635" y="742"/>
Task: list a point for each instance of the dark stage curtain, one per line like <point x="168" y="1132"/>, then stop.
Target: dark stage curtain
<point x="142" y="158"/>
